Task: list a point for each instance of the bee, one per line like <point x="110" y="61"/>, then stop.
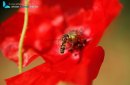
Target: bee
<point x="64" y="41"/>
<point x="74" y="40"/>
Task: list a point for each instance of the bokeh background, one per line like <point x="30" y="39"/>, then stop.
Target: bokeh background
<point x="115" y="69"/>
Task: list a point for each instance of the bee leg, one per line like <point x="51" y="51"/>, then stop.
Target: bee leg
<point x="71" y="48"/>
<point x="62" y="49"/>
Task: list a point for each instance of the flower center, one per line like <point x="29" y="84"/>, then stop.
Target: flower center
<point x="73" y="40"/>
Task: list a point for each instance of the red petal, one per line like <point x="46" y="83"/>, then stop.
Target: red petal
<point x="35" y="39"/>
<point x="94" y="21"/>
<point x="81" y="73"/>
<point x="96" y="57"/>
<point x="40" y="75"/>
<point x="10" y="50"/>
<point x="70" y="6"/>
<point x="87" y="69"/>
<point x="36" y="76"/>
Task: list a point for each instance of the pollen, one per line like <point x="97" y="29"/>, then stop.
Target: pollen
<point x="73" y="40"/>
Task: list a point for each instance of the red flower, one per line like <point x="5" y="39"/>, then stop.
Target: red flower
<point x="51" y="19"/>
<point x="47" y="24"/>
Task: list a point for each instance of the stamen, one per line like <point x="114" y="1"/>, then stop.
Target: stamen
<point x="74" y="39"/>
<point x="22" y="37"/>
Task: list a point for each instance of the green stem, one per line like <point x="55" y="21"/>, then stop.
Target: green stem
<point x="22" y="37"/>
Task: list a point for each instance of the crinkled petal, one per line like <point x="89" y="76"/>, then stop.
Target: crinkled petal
<point x="9" y="49"/>
<point x="38" y="28"/>
<point x="36" y="76"/>
<point x="81" y="73"/>
<point x="86" y="70"/>
<point x="94" y="21"/>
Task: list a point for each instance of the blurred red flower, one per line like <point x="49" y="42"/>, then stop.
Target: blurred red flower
<point x="47" y="24"/>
